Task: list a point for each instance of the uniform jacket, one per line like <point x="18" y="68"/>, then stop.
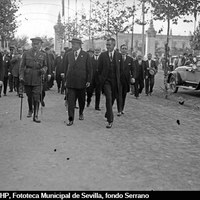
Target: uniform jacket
<point x="77" y="72"/>
<point x="31" y="66"/>
<point x="126" y="73"/>
<point x="104" y="64"/>
<point x="146" y="68"/>
<point x="137" y="68"/>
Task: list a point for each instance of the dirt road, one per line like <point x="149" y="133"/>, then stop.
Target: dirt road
<point x="146" y="149"/>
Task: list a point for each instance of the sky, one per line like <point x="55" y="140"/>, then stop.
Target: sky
<point x="37" y="18"/>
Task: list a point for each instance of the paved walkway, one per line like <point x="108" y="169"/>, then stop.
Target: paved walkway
<point x="146" y="149"/>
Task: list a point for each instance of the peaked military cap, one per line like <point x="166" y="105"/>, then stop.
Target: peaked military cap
<point x="37" y="39"/>
<point x="77" y="40"/>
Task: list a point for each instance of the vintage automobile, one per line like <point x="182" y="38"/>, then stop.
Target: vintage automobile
<point x="187" y="77"/>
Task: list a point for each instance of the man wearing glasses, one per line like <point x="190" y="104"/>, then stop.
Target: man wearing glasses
<point x="110" y="70"/>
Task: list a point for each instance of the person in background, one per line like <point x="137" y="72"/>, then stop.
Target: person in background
<point x="59" y="72"/>
<point x="15" y="62"/>
<point x="10" y="66"/>
<point x="138" y="75"/>
<point x="1" y="72"/>
<point x="150" y="72"/>
<point x="132" y="87"/>
<point x="126" y="74"/>
<point x="95" y="83"/>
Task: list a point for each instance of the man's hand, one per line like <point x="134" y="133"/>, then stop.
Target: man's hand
<point x="21" y="80"/>
<point x="132" y="80"/>
<point x="42" y="71"/>
<point x="62" y="75"/>
<point x="49" y="77"/>
<point x="87" y="84"/>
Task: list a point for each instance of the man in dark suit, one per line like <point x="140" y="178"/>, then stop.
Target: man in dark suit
<point x="95" y="84"/>
<point x="59" y="72"/>
<point x="10" y="75"/>
<point x="150" y="70"/>
<point x="126" y="74"/>
<point x="77" y="66"/>
<point x="138" y="75"/>
<point x="110" y="70"/>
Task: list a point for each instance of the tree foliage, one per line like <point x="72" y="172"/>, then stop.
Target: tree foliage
<point x="8" y="15"/>
<point x="195" y="39"/>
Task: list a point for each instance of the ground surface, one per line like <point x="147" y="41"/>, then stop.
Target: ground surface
<point x="144" y="150"/>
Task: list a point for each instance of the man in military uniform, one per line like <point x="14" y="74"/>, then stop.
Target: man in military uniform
<point x="32" y="67"/>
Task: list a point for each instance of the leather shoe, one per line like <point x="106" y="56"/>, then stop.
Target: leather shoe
<point x="81" y="117"/>
<point x="30" y="114"/>
<point x="98" y="109"/>
<point x="35" y="119"/>
<point x="109" y="125"/>
<point x="70" y="123"/>
<point x="119" y="114"/>
<point x="42" y="103"/>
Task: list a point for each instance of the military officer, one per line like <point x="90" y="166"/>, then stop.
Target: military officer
<point x="32" y="67"/>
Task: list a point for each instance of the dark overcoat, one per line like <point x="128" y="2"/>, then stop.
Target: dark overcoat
<point x="77" y="72"/>
<point x="126" y="73"/>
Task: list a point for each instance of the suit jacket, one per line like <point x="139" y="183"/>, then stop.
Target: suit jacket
<point x="58" y="65"/>
<point x="153" y="65"/>
<point x="77" y="72"/>
<point x="95" y="73"/>
<point x="126" y="73"/>
<point x="138" y="70"/>
<point x="104" y="64"/>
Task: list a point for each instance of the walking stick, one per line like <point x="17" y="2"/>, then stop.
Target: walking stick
<point x="41" y="94"/>
<point x="21" y="96"/>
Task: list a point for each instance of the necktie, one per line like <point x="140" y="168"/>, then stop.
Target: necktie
<point x="110" y="56"/>
<point x="124" y="57"/>
<point x="75" y="55"/>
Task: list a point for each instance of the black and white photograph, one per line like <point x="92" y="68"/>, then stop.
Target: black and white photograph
<point x="99" y="95"/>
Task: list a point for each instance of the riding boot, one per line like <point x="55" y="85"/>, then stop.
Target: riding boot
<point x="36" y="111"/>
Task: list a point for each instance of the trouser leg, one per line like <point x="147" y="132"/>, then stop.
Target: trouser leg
<point x="152" y="80"/>
<point x="97" y="96"/>
<point x="71" y="97"/>
<point x="5" y="84"/>
<point x="136" y="84"/>
<point x="147" y="85"/>
<point x="11" y="82"/>
<point x="109" y="111"/>
<point x="81" y="100"/>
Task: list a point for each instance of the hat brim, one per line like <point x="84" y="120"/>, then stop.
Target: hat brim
<point x="76" y="41"/>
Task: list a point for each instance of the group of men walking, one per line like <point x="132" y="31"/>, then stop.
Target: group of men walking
<point x="79" y="74"/>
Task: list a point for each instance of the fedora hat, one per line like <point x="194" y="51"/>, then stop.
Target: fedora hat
<point x="36" y="39"/>
<point x="77" y="40"/>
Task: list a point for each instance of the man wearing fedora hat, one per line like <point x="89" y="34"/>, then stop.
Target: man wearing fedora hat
<point x="77" y="67"/>
<point x="33" y="66"/>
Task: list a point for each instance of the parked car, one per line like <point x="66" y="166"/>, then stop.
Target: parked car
<point x="187" y="77"/>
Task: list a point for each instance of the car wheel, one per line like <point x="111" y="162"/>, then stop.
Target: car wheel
<point x="172" y="84"/>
